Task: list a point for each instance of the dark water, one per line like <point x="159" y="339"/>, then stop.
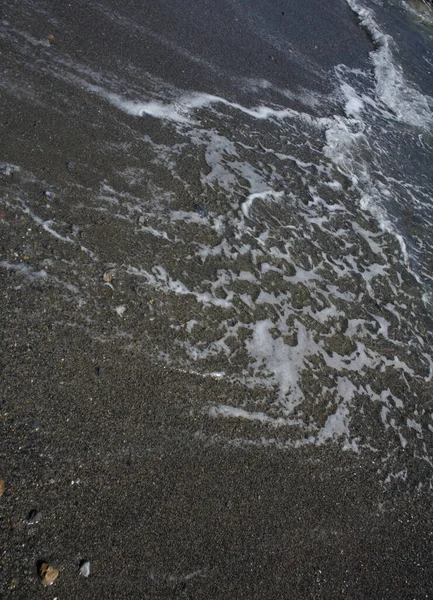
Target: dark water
<point x="243" y="191"/>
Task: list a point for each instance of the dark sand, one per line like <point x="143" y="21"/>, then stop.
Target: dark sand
<point x="124" y="465"/>
<point x="111" y="459"/>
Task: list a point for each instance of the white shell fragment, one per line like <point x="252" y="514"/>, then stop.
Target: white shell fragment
<point x="85" y="568"/>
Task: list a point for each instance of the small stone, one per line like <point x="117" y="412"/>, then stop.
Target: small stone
<point x="49" y="195"/>
<point x="108" y="276"/>
<point x="33" y="517"/>
<point x="85" y="568"/>
<point x="48" y="574"/>
<point x="13" y="584"/>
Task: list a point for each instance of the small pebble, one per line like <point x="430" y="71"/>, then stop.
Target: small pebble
<point x="49" y="195"/>
<point x="85" y="568"/>
<point x="48" y="574"/>
<point x="108" y="276"/>
<point x="33" y="517"/>
<point x="13" y="584"/>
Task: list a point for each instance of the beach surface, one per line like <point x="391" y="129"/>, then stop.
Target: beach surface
<point x="192" y="403"/>
<point x="121" y="478"/>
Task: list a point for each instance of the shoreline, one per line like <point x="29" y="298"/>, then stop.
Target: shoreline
<point x="117" y="450"/>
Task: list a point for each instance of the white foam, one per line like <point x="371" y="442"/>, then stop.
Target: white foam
<point x="24" y="269"/>
<point x="259" y="195"/>
<point x="354" y="104"/>
<point x="343" y="142"/>
<point x="47" y="225"/>
<point x="407" y="104"/>
<point x="180" y="110"/>
<point x="414" y="425"/>
<point x="7" y="169"/>
<point x="161" y="279"/>
<point x="224" y="410"/>
<point x="120" y="310"/>
<point x="337" y="425"/>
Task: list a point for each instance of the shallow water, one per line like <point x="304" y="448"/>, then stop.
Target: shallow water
<point x="246" y="196"/>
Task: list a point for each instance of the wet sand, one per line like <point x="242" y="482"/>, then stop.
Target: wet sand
<point x="118" y="454"/>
